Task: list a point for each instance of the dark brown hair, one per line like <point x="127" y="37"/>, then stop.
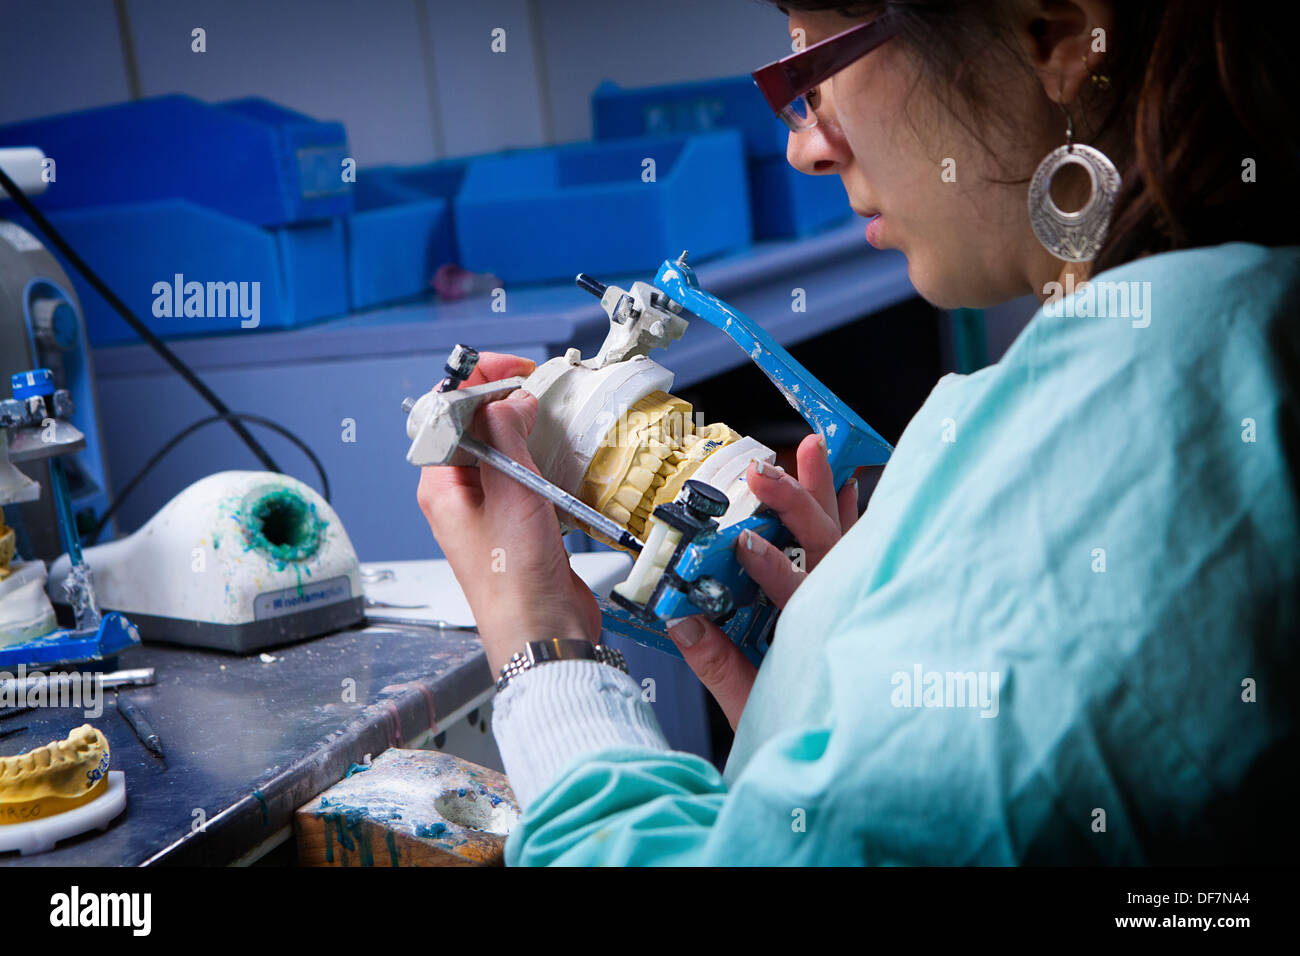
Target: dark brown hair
<point x="1199" y="90"/>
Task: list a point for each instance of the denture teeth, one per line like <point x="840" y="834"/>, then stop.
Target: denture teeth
<point x="59" y="769"/>
<point x="628" y="497"/>
<point x="646" y="457"/>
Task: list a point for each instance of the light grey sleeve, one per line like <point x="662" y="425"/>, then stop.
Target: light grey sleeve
<point x="552" y="714"/>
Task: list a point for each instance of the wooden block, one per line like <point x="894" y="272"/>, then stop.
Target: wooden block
<point x="410" y="808"/>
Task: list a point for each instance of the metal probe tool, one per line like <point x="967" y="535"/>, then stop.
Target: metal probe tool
<point x="139" y="724"/>
<point x="556" y="496"/>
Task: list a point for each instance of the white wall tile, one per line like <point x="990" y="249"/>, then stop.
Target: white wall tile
<point x="57" y="56"/>
<point x="646" y="44"/>
<point x="359" y="63"/>
<point x="412" y="80"/>
<point x="486" y="100"/>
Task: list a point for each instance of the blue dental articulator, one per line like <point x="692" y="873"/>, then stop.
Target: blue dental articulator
<point x="685" y="547"/>
<point x="35" y="428"/>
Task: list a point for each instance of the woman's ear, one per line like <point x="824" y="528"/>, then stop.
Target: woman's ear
<point x="1066" y="40"/>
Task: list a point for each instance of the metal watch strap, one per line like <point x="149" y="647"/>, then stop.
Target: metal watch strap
<point x="558" y="649"/>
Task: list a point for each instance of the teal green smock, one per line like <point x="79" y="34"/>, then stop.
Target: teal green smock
<point x="1107" y="521"/>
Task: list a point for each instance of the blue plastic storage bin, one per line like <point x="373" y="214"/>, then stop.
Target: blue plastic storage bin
<point x="784" y="202"/>
<point x="787" y="203"/>
<point x="728" y="103"/>
<point x="442" y="179"/>
<point x="547" y="214"/>
<point x="401" y="232"/>
<point x="299" y="269"/>
<point x="249" y="159"/>
<point x="313" y="270"/>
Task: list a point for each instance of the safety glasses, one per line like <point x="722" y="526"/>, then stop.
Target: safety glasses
<point x="785" y="84"/>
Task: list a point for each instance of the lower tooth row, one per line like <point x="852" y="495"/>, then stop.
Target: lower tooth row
<point x="657" y="463"/>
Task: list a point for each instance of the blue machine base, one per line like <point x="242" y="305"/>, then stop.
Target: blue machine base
<point x="64" y="646"/>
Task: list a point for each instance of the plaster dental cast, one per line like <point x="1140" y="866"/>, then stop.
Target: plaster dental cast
<point x="1099" y="534"/>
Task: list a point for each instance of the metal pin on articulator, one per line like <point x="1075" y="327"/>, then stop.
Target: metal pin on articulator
<point x="605" y="453"/>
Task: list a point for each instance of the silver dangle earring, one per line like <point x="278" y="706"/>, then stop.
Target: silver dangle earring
<point x="1073" y="236"/>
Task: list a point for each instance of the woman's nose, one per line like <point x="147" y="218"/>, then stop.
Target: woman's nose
<point x="819" y="151"/>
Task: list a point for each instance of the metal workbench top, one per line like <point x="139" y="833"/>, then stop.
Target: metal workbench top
<point x="248" y="742"/>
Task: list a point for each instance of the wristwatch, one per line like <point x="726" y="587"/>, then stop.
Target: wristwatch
<point x="558" y="649"/>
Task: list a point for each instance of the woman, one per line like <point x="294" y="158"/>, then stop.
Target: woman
<point x="1064" y="629"/>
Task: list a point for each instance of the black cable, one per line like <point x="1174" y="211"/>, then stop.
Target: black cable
<point x="171" y="358"/>
<point x="93" y="537"/>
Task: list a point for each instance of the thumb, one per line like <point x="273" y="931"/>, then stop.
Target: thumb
<point x="506" y="423"/>
<point x="719" y="664"/>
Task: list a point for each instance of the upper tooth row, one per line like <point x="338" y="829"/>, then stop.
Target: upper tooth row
<point x="58" y="753"/>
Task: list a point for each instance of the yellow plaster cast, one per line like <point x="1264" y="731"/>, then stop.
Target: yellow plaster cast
<point x="6" y="548"/>
<point x="53" y="779"/>
<point x="646" y="457"/>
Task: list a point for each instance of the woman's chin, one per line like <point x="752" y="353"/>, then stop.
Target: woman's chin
<point x="947" y="289"/>
<point x="932" y="287"/>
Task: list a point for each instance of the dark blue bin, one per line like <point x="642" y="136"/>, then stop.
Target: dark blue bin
<point x="402" y="230"/>
<point x="728" y="103"/>
<point x="547" y="214"/>
<point x="140" y="248"/>
<point x="784" y="202"/>
<point x="250" y="159"/>
<point x="396" y="239"/>
<point x="788" y="203"/>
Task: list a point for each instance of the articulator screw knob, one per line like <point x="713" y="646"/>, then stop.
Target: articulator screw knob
<point x="711" y="596"/>
<point x="54" y="323"/>
<point x="408" y="403"/>
<point x="460" y="363"/>
<point x="625" y="310"/>
<point x="703" y="501"/>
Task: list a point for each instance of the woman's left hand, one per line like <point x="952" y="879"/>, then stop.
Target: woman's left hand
<point x="818" y="516"/>
<point x="503" y="541"/>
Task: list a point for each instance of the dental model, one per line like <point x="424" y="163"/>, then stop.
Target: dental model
<point x="610" y="433"/>
<point x="614" y="437"/>
<point x="619" y="456"/>
<point x="608" y="430"/>
<point x="54" y="779"/>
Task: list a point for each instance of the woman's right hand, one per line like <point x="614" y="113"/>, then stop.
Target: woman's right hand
<point x="818" y="518"/>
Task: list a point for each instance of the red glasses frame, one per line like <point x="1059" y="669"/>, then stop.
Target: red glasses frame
<point x="784" y="81"/>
